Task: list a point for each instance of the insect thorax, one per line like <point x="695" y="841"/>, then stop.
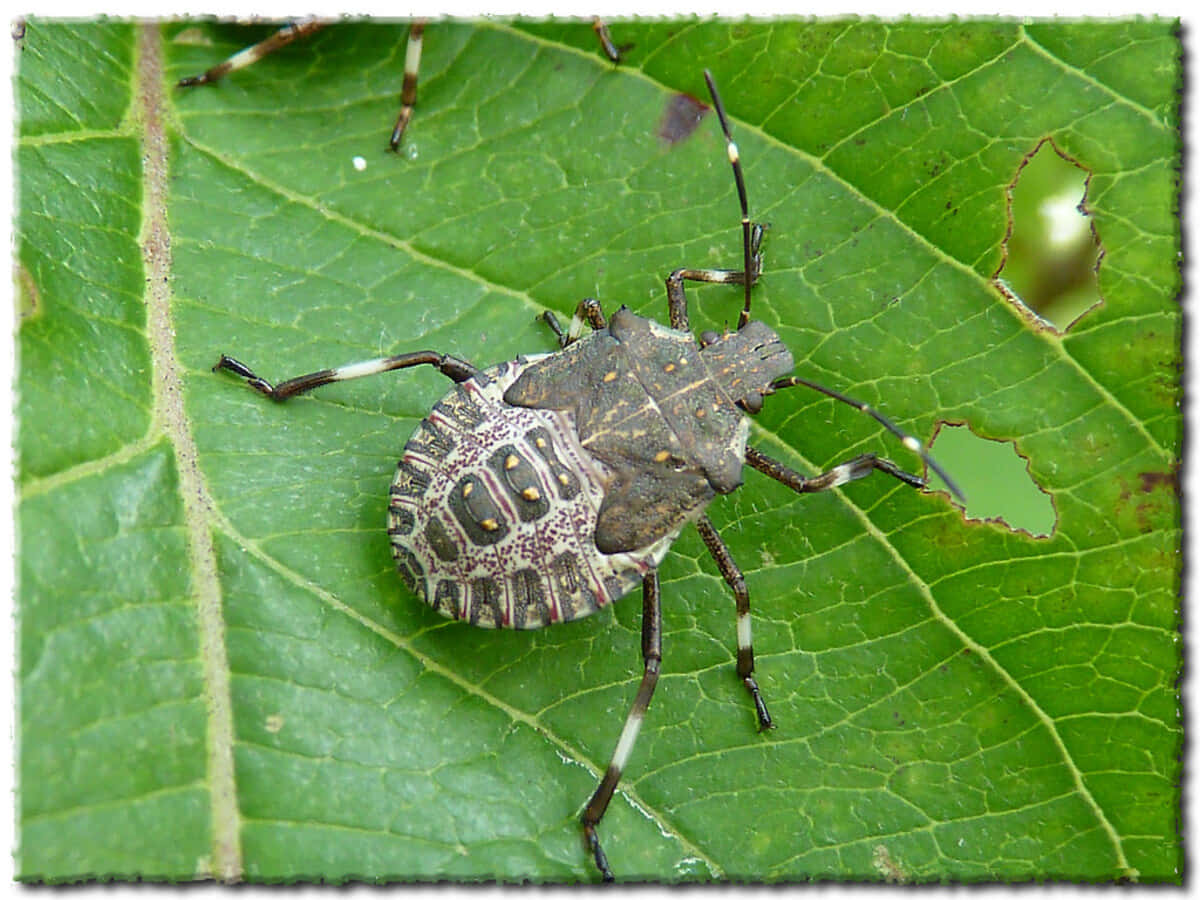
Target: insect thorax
<point x="659" y="413"/>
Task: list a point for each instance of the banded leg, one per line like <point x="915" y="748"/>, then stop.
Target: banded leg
<point x="677" y="299"/>
<point x="851" y="470"/>
<point x="588" y="311"/>
<point x="651" y="662"/>
<point x="451" y="366"/>
<point x="250" y="55"/>
<point x="611" y="50"/>
<point x="745" y="649"/>
<point x="408" y="90"/>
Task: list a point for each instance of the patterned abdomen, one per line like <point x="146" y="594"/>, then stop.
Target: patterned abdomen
<point x="492" y="513"/>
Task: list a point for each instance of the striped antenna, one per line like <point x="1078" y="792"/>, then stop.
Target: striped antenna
<point x="905" y="438"/>
<point x="735" y="162"/>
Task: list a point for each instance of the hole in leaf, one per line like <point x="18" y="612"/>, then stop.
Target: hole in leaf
<point x="995" y="479"/>
<point x="1052" y="252"/>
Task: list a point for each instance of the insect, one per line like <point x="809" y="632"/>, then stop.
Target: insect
<point x="293" y="31"/>
<point x="541" y="489"/>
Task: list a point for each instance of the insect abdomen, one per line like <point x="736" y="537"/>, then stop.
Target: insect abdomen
<point x="492" y="513"/>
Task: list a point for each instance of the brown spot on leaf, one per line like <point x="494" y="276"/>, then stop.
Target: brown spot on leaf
<point x="28" y="297"/>
<point x="680" y="118"/>
<point x="887" y="866"/>
<point x="1151" y="480"/>
<point x="1147" y="512"/>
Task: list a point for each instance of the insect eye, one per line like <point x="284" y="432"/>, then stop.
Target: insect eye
<point x="708" y="337"/>
<point x="752" y="402"/>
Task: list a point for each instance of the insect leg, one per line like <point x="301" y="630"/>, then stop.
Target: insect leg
<point x="651" y="661"/>
<point x="250" y="55"/>
<point x="588" y="311"/>
<point x="677" y="300"/>
<point x="611" y="50"/>
<point x="408" y="90"/>
<point x="851" y="470"/>
<point x="450" y="366"/>
<point x="745" y="651"/>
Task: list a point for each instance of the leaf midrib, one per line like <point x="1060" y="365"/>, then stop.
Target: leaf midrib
<point x="170" y="414"/>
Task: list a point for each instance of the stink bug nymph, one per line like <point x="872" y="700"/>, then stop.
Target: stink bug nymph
<point x="544" y="488"/>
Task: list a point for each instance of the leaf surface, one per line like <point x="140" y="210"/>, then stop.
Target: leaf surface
<point x="220" y="672"/>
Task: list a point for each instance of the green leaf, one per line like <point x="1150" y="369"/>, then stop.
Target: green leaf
<point x="220" y="673"/>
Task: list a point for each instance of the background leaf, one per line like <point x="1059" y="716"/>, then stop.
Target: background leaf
<point x="221" y="674"/>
